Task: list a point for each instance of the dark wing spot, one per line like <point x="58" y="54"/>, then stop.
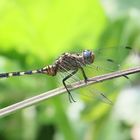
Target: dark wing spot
<point x="127" y="47"/>
<point x="110" y="60"/>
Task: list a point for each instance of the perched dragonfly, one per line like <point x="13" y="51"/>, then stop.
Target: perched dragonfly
<point x="67" y="62"/>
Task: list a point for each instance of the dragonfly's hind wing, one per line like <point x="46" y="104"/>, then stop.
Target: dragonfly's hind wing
<point x="94" y="94"/>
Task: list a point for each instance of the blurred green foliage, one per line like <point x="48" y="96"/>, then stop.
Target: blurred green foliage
<point x="33" y="34"/>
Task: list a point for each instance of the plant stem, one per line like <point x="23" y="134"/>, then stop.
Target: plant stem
<point x="36" y="99"/>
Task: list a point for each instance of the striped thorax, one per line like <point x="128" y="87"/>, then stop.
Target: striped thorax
<point x="69" y="61"/>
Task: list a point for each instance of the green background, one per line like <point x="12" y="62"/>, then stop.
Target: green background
<point x="34" y="33"/>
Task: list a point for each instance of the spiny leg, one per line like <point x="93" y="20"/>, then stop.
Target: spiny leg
<point x="83" y="72"/>
<point x="84" y="75"/>
<point x="67" y="77"/>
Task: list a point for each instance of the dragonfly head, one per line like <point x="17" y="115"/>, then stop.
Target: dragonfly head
<point x="88" y="57"/>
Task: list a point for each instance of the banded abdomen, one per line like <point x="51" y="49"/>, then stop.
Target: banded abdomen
<point x="49" y="70"/>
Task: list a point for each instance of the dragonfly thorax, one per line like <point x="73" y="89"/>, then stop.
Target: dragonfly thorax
<point x="88" y="57"/>
<point x="74" y="61"/>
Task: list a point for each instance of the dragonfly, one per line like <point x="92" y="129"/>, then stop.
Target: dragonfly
<point x="70" y="63"/>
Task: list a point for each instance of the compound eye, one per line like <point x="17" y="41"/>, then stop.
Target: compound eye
<point x="87" y="56"/>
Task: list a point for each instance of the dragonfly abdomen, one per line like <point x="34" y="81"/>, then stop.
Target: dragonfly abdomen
<point x="11" y="74"/>
<point x="66" y="62"/>
<point x="49" y="70"/>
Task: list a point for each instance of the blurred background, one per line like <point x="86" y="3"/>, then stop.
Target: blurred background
<point x="34" y="33"/>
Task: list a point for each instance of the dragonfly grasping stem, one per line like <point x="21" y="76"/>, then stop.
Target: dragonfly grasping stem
<point x="36" y="99"/>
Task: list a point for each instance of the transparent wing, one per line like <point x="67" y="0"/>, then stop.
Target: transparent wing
<point x="106" y="60"/>
<point x="113" y="56"/>
<point x="94" y="94"/>
<point x="91" y="94"/>
<point x="111" y="59"/>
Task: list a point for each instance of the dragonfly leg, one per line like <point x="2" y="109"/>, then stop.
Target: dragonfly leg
<point x="84" y="75"/>
<point x="67" y="77"/>
<point x="125" y="76"/>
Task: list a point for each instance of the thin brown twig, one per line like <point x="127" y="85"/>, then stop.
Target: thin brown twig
<point x="36" y="99"/>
